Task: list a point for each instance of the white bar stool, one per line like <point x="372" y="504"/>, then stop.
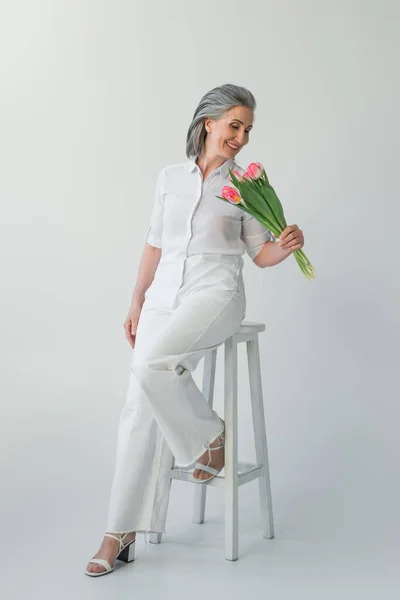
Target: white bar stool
<point x="236" y="473"/>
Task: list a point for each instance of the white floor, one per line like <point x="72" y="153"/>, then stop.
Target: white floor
<point x="325" y="547"/>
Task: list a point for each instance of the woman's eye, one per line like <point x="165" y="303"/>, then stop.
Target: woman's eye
<point x="236" y="127"/>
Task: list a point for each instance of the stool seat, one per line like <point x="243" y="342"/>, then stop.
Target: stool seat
<point x="251" y="327"/>
<point x="235" y="473"/>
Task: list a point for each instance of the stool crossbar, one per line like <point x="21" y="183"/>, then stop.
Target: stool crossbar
<point x="236" y="473"/>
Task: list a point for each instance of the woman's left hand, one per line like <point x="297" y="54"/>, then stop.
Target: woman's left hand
<point x="291" y="238"/>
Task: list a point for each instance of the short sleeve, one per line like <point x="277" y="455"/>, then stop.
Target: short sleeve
<point x="154" y="232"/>
<point x="254" y="235"/>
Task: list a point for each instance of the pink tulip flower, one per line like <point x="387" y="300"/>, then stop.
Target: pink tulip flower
<point x="237" y="175"/>
<point x="254" y="171"/>
<point x="231" y="194"/>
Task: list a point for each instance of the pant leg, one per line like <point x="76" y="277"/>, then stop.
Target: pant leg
<point x="202" y="321"/>
<point x="141" y="484"/>
<point x="165" y="414"/>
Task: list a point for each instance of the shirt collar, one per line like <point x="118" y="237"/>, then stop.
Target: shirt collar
<point x="224" y="168"/>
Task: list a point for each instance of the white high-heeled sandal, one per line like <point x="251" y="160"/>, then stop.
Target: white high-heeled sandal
<point x="206" y="467"/>
<point x="126" y="553"/>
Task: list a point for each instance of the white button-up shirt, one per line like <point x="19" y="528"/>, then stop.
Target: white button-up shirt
<point x="190" y="224"/>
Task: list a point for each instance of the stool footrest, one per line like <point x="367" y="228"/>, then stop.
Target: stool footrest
<point x="246" y="472"/>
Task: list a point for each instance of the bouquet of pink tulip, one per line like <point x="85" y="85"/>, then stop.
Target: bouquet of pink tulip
<point x="256" y="196"/>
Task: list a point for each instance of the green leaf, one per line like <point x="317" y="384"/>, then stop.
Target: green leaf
<point x="260" y="217"/>
<point x="275" y="202"/>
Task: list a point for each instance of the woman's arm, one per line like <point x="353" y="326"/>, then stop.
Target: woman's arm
<point x="152" y="250"/>
<point x="272" y="253"/>
<point x="147" y="268"/>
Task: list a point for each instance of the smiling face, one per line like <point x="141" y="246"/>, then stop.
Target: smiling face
<point x="227" y="136"/>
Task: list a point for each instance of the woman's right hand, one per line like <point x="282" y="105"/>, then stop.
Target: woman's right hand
<point x="131" y="322"/>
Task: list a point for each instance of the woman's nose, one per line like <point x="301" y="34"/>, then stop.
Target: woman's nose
<point x="241" y="138"/>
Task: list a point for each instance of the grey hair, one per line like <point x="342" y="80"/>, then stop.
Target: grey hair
<point x="214" y="105"/>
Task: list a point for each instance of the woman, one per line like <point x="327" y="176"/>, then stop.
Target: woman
<point x="190" y="298"/>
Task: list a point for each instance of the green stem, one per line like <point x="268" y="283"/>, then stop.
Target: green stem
<point x="304" y="264"/>
<point x="281" y="225"/>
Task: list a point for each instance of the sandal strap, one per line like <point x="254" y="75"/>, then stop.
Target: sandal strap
<point x="207" y="467"/>
<point x="120" y="538"/>
<point x="210" y="470"/>
<point x="216" y="447"/>
<point x="102" y="562"/>
<point x="111" y="535"/>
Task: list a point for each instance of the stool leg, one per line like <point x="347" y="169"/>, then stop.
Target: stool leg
<point x="231" y="453"/>
<point x="155" y="536"/>
<point x="200" y="491"/>
<point x="260" y="437"/>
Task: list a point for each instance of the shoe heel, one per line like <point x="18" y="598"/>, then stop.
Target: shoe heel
<point x="127" y="554"/>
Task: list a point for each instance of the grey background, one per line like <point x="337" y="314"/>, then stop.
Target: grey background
<point x="96" y="97"/>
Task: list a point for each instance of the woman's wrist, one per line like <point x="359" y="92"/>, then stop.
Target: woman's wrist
<point x="137" y="299"/>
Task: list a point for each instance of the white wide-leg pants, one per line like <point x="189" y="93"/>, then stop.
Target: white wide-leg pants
<point x="165" y="414"/>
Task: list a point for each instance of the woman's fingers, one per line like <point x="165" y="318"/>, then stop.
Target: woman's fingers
<point x="285" y="242"/>
<point x="294" y="247"/>
<point x="128" y="332"/>
<point x="293" y="239"/>
<point x="131" y="323"/>
<point x="134" y="322"/>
